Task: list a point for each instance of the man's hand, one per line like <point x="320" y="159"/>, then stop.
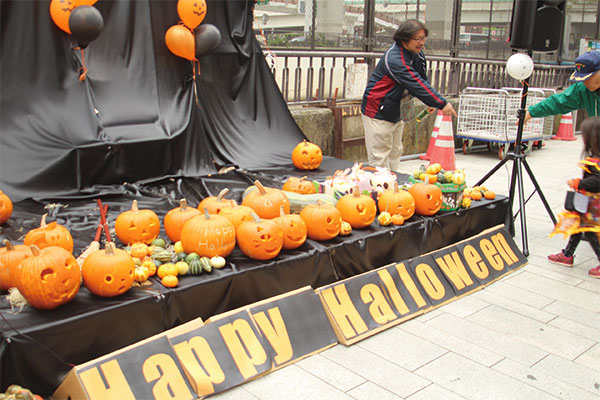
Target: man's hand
<point x="527" y="118"/>
<point x="449" y="110"/>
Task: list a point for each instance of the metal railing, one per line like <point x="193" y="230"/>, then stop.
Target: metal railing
<point x="314" y="76"/>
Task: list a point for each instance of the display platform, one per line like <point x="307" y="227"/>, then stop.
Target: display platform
<point x="40" y="347"/>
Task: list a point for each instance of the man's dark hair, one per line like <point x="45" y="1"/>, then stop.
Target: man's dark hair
<point x="407" y="30"/>
<point x="590" y="131"/>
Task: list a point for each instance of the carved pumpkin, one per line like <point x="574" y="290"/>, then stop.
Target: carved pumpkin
<point x="137" y="225"/>
<point x="108" y="272"/>
<point x="299" y="185"/>
<point x="214" y="204"/>
<point x="52" y="234"/>
<point x="237" y="214"/>
<point x="176" y="218"/>
<point x="294" y="229"/>
<point x="49" y="278"/>
<point x="397" y="201"/>
<point x="6" y="207"/>
<point x="10" y="257"/>
<point x="266" y="201"/>
<point x="428" y="198"/>
<point x="208" y="235"/>
<point x="260" y="239"/>
<point x="359" y="210"/>
<point x="323" y="221"/>
<point x="307" y="156"/>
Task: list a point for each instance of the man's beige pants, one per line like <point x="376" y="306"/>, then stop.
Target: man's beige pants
<point x="383" y="140"/>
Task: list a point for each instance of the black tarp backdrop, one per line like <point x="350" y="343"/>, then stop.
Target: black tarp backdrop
<point x="134" y="117"/>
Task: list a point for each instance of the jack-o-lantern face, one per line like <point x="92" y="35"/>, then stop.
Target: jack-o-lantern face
<point x="428" y="198"/>
<point x="294" y="230"/>
<point x="260" y="239"/>
<point x="299" y="185"/>
<point x="191" y="12"/>
<point x="397" y="201"/>
<point x="137" y="225"/>
<point x="307" y="156"/>
<point x="357" y="209"/>
<point x="49" y="278"/>
<point x="52" y="234"/>
<point x="108" y="272"/>
<point x="323" y="221"/>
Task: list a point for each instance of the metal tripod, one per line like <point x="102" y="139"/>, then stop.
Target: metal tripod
<point x="518" y="156"/>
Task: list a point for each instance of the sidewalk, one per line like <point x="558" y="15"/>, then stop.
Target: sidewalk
<point x="535" y="334"/>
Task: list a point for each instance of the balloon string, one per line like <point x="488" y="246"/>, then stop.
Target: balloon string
<point x="84" y="73"/>
<point x="194" y="62"/>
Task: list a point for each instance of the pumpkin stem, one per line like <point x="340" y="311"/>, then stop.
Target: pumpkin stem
<point x="396" y="187"/>
<point x="43" y="223"/>
<point x="9" y="245"/>
<point x="303" y="178"/>
<point x="222" y="194"/>
<point x="206" y="214"/>
<point x="35" y="250"/>
<point x="255" y="217"/>
<point x="356" y="191"/>
<point x="109" y="249"/>
<point x="260" y="187"/>
<point x="183" y="204"/>
<point x="134" y="206"/>
<point x="281" y="211"/>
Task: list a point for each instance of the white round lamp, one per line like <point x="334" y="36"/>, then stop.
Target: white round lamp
<point x="519" y="66"/>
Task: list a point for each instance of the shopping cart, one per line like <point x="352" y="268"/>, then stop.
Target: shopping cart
<point x="490" y="115"/>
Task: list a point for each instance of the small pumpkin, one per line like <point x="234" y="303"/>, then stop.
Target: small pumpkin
<point x="52" y="234"/>
<point x="266" y="201"/>
<point x="170" y="281"/>
<point x="397" y="201"/>
<point x="299" y="185"/>
<point x="294" y="229"/>
<point x="176" y="217"/>
<point x="215" y="203"/>
<point x="475" y="194"/>
<point x="489" y="194"/>
<point x="237" y="214"/>
<point x="108" y="272"/>
<point x="208" y="235"/>
<point x="260" y="239"/>
<point x="397" y="219"/>
<point x="6" y="207"/>
<point x="307" y="156"/>
<point x="458" y="177"/>
<point x="323" y="221"/>
<point x="49" y="278"/>
<point x="345" y="229"/>
<point x="10" y="257"/>
<point x="141" y="273"/>
<point x="428" y="198"/>
<point x="359" y="210"/>
<point x="137" y="225"/>
<point x="384" y="218"/>
<point x="166" y="269"/>
<point x="139" y="250"/>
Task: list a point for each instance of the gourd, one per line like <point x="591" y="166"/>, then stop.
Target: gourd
<point x="175" y="218"/>
<point x="307" y="156"/>
<point x="108" y="272"/>
<point x="137" y="225"/>
<point x="299" y="201"/>
<point x="52" y="234"/>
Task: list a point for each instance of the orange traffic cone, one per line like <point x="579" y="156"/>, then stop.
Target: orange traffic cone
<point x="434" y="133"/>
<point x="565" y="129"/>
<point x="443" y="151"/>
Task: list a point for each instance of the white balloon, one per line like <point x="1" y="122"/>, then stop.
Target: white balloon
<point x="519" y="66"/>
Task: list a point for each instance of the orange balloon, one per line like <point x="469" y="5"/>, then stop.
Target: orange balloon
<point x="191" y="12"/>
<point x="180" y="41"/>
<point x="60" y="11"/>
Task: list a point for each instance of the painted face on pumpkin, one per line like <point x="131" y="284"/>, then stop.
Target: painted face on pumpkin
<point x="67" y="5"/>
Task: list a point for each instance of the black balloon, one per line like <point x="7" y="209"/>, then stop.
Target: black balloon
<point x="85" y="23"/>
<point x="207" y="38"/>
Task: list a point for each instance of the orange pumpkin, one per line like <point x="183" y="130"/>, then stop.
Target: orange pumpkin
<point x="108" y="272"/>
<point x="260" y="239"/>
<point x="428" y="198"/>
<point x="266" y="201"/>
<point x="175" y="218"/>
<point x="215" y="203"/>
<point x="397" y="219"/>
<point x="307" y="156"/>
<point x="489" y="194"/>
<point x="170" y="281"/>
<point x="357" y="209"/>
<point x="10" y="257"/>
<point x="323" y="221"/>
<point x="52" y="234"/>
<point x="299" y="185"/>
<point x="208" y="235"/>
<point x="6" y="207"/>
<point x="237" y="214"/>
<point x="137" y="225"/>
<point x="294" y="229"/>
<point x="396" y="201"/>
<point x="49" y="278"/>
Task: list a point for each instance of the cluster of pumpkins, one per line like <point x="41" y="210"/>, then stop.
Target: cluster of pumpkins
<point x="16" y="392"/>
<point x="476" y="193"/>
<point x="435" y="173"/>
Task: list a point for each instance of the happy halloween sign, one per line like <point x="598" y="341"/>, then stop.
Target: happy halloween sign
<point x="202" y="358"/>
<point x="365" y="304"/>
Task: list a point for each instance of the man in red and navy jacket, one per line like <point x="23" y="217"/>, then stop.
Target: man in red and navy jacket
<point x="399" y="73"/>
